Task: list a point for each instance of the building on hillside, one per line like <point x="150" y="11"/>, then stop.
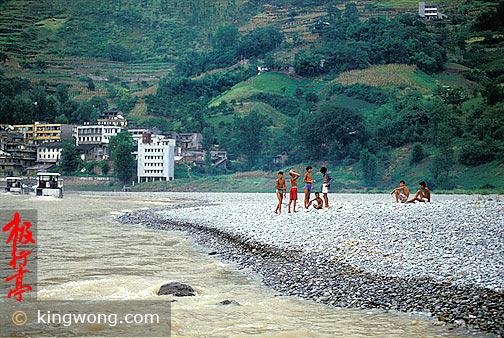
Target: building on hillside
<point x="112" y="118"/>
<point x="189" y="140"/>
<point x="137" y="133"/>
<point x="88" y="135"/>
<point x="262" y="69"/>
<point x="112" y="114"/>
<point x="93" y="152"/>
<point x="218" y="154"/>
<point x="429" y="11"/>
<point x="49" y="152"/>
<point x="197" y="157"/>
<point x="96" y="134"/>
<point x="184" y="141"/>
<point x="281" y="159"/>
<point x="38" y="132"/>
<point x="171" y="134"/>
<point x="93" y="140"/>
<point x="15" y="154"/>
<point x="222" y="163"/>
<point x="156" y="134"/>
<point x="156" y="159"/>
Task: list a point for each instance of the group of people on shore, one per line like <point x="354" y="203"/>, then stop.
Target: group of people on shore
<point x="401" y="193"/>
<point x="317" y="202"/>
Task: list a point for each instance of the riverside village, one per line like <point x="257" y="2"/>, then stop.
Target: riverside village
<point x="252" y="168"/>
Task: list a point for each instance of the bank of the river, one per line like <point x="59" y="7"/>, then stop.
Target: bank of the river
<point x="84" y="253"/>
<point x="248" y="186"/>
<point x="486" y="179"/>
<point x="443" y="258"/>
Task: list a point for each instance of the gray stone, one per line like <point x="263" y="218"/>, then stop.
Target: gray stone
<point x="228" y="302"/>
<point x="177" y="289"/>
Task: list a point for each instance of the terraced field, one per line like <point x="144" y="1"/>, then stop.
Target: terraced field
<point x="102" y="70"/>
<point x="392" y="75"/>
<point x="295" y="23"/>
<point x="17" y="20"/>
<point x="73" y="71"/>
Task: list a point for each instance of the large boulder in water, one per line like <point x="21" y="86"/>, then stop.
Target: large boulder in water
<point x="176" y="289"/>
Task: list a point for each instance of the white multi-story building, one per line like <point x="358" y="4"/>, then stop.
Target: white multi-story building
<point x="96" y="134"/>
<point x="49" y="152"/>
<point x="156" y="159"/>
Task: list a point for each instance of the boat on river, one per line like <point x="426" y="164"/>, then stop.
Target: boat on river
<point x="49" y="184"/>
<point x="15" y="185"/>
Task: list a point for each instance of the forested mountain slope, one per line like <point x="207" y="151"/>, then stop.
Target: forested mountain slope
<point x="362" y="84"/>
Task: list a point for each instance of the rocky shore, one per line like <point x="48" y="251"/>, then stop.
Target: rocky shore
<point x="445" y="258"/>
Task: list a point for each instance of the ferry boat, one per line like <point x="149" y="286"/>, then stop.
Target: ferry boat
<point x="15" y="185"/>
<point x="49" y="184"/>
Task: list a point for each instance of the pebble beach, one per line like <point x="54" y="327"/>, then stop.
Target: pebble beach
<point x="445" y="258"/>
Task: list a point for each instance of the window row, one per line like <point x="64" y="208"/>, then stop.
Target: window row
<point x="153" y="171"/>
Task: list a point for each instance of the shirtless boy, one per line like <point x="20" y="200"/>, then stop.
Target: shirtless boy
<point x="281" y="188"/>
<point x="326" y="185"/>
<point x="307" y="180"/>
<point x="293" y="191"/>
<point x="401" y="193"/>
<point x="320" y="202"/>
<point x="421" y="196"/>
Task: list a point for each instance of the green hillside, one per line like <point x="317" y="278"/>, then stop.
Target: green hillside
<point x="355" y="84"/>
<point x="272" y="83"/>
<point x="121" y="31"/>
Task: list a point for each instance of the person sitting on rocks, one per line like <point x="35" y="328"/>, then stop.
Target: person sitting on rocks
<point x="401" y="193"/>
<point x="422" y="195"/>
<point x="320" y="202"/>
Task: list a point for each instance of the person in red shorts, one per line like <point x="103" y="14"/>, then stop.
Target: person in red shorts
<point x="293" y="191"/>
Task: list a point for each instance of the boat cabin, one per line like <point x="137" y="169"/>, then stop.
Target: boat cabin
<point x="50" y="184"/>
<point x="14" y="184"/>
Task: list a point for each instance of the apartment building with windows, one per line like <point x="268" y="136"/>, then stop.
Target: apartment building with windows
<point x="96" y="134"/>
<point x="38" y="132"/>
<point x="156" y="159"/>
<point x="49" y="152"/>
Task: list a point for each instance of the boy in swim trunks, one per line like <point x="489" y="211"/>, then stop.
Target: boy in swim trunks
<point x="281" y="189"/>
<point x="293" y="191"/>
<point x="421" y="196"/>
<point x="320" y="202"/>
<point x="307" y="180"/>
<point x="401" y="193"/>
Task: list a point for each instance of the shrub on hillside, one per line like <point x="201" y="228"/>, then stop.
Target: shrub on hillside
<point x="417" y="153"/>
<point x="476" y="152"/>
